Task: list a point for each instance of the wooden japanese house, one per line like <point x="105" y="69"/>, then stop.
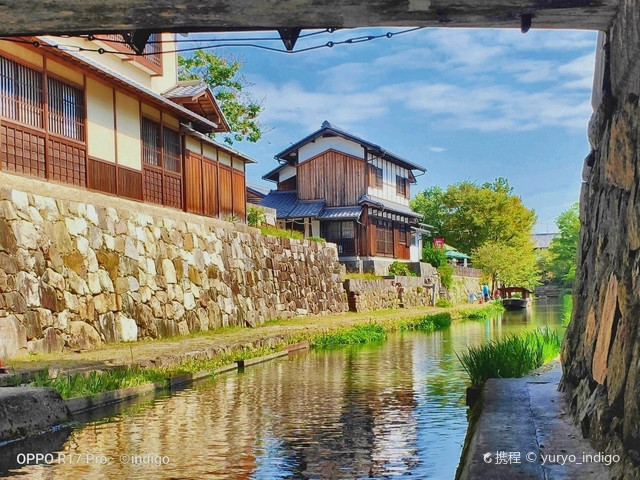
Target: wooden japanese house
<point x="89" y="112"/>
<point x="347" y="190"/>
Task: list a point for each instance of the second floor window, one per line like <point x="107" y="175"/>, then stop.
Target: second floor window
<point x="375" y="176"/>
<point x="66" y="109"/>
<point x="402" y="186"/>
<point x="160" y="146"/>
<point x="21" y="93"/>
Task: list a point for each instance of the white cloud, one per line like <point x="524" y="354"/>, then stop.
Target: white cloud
<point x="437" y="149"/>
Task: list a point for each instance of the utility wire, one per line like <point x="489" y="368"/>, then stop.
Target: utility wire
<point x="330" y="44"/>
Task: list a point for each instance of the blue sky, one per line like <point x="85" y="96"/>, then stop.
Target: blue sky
<point x="466" y="104"/>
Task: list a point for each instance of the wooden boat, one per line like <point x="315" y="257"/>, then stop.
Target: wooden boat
<point x="511" y="302"/>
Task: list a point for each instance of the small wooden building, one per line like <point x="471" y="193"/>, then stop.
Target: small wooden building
<point x="88" y="112"/>
<point x="347" y="190"/>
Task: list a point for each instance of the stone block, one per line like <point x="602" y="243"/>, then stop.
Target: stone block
<point x="14" y="336"/>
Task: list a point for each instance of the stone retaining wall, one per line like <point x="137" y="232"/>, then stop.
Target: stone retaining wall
<point x="76" y="274"/>
<point x="601" y="353"/>
<point x="396" y="292"/>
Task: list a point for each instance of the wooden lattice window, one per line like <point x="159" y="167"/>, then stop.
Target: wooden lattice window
<point x="375" y="176"/>
<point x="384" y="237"/>
<point x="171" y="150"/>
<point x="21" y="93"/>
<point x="151" y="150"/>
<point x="402" y="186"/>
<point x="66" y="109"/>
<point x="342" y="234"/>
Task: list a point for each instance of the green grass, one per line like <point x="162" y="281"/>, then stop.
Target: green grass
<point x="443" y="303"/>
<point x="511" y="357"/>
<point x="316" y="239"/>
<point x="95" y="382"/>
<point x="279" y="232"/>
<point x="486" y="312"/>
<point x="362" y="276"/>
<point x="428" y="323"/>
<point x="356" y="335"/>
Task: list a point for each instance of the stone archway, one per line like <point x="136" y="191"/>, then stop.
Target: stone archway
<point x="601" y="355"/>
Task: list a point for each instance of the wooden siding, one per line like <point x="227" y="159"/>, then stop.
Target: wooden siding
<point x="193" y="182"/>
<point x="290" y="183"/>
<point x="23" y="150"/>
<point x="130" y="183"/>
<point x="66" y="161"/>
<point x="102" y="176"/>
<point x="337" y="178"/>
<point x="226" y="190"/>
<point x="210" y="183"/>
<point x="239" y="194"/>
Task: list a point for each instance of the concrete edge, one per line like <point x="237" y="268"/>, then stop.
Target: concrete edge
<point x="84" y="404"/>
<point x="253" y="361"/>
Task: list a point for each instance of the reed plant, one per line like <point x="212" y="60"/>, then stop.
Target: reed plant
<point x="428" y="323"/>
<point x="355" y="335"/>
<point x="485" y="312"/>
<point x="512" y="356"/>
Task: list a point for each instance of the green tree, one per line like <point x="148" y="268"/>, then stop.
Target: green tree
<point x="508" y="264"/>
<point x="564" y="247"/>
<point x="468" y="215"/>
<point x="228" y="86"/>
<point x="433" y="255"/>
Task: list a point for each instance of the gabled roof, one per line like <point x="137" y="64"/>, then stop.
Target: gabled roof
<point x="329" y="130"/>
<point x="211" y="141"/>
<point x="257" y="190"/>
<point x="340" y="213"/>
<point x="205" y="124"/>
<point x="543" y="240"/>
<point x="271" y="175"/>
<point x="198" y="97"/>
<point x="388" y="205"/>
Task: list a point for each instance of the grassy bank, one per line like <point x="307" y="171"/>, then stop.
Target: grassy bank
<point x="511" y="357"/>
<point x="485" y="312"/>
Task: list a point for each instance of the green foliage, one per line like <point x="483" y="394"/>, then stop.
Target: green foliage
<point x="362" y="276"/>
<point x="446" y="275"/>
<point x="358" y="334"/>
<point x="468" y="215"/>
<point x="400" y="269"/>
<point x="564" y="247"/>
<point x="317" y="239"/>
<point x="485" y="312"/>
<point x="255" y="216"/>
<point x="228" y="86"/>
<point x="511" y="357"/>
<point x="436" y="256"/>
<point x="428" y="323"/>
<point x="443" y="303"/>
<point x="232" y="218"/>
<point x="509" y="264"/>
<point x="567" y="309"/>
<point x="280" y="232"/>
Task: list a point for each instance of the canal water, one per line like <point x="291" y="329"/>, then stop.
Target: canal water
<point x="395" y="409"/>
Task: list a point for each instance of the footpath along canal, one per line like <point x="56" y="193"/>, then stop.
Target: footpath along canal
<point x="391" y="409"/>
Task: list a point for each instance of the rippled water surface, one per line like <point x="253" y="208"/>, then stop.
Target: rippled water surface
<point x="394" y="409"/>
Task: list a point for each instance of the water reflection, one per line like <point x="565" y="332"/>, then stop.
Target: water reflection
<point x="390" y="410"/>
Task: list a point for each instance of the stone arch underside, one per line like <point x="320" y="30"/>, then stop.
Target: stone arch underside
<point x="601" y="354"/>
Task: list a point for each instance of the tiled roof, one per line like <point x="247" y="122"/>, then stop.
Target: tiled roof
<point x="287" y="205"/>
<point x="119" y="79"/>
<point x="327" y="127"/>
<point x="389" y="205"/>
<point x="340" y="213"/>
<point x="186" y="89"/>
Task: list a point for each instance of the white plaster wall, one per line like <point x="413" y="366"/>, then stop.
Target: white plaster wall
<point x="101" y="141"/>
<point x="389" y="172"/>
<point x="320" y="145"/>
<point x="128" y="125"/>
<point x="287" y="172"/>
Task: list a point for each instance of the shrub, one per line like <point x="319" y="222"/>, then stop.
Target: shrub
<point x="443" y="303"/>
<point x="436" y="256"/>
<point x="446" y="275"/>
<point x="400" y="269"/>
<point x="511" y="357"/>
<point x="280" y="232"/>
<point x="429" y="323"/>
<point x="255" y="216"/>
<point x="483" y="313"/>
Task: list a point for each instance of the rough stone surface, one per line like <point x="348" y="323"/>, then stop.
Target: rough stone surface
<point x="601" y="353"/>
<point x="76" y="275"/>
<point x="29" y="410"/>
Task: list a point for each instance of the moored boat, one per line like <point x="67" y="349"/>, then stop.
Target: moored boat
<point x="515" y="298"/>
